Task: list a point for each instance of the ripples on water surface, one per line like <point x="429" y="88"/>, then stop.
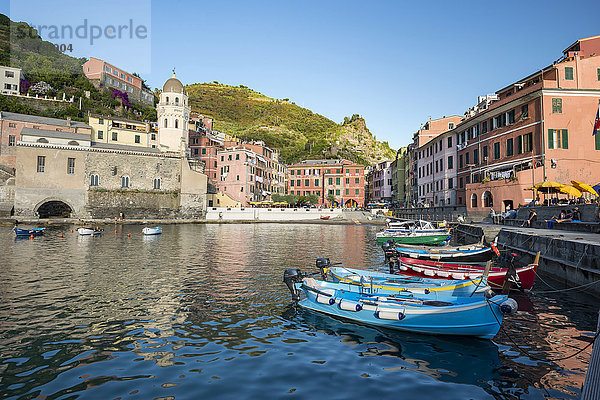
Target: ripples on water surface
<point x="202" y="312"/>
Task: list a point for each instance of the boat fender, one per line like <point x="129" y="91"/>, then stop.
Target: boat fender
<point x="489" y="293"/>
<point x="509" y="306"/>
<point x="325" y="299"/>
<point x="393" y="315"/>
<point x="427" y="291"/>
<point x="350" y="305"/>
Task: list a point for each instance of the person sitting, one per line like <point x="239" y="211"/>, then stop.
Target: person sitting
<point x="576" y="215"/>
<point x="511" y="214"/>
<point x="531" y="219"/>
<point x="564" y="216"/>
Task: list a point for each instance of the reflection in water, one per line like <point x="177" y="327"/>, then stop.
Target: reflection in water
<point x="202" y="311"/>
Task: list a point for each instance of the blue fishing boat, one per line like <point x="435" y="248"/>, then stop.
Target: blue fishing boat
<point x="157" y="230"/>
<point x="29" y="232"/>
<point x="393" y="283"/>
<point x="476" y="254"/>
<point x="466" y="316"/>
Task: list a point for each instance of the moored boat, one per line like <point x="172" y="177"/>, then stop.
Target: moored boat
<point x="29" y="232"/>
<point x="90" y="230"/>
<point x="413" y="232"/>
<point x="468" y="316"/>
<point x="523" y="279"/>
<point x="325" y="217"/>
<point x="443" y="254"/>
<point x="157" y="230"/>
<point x="392" y="283"/>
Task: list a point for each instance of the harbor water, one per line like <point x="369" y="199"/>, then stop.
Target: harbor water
<point x="201" y="311"/>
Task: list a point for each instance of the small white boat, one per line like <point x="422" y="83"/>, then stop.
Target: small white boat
<point x="157" y="230"/>
<point x="88" y="230"/>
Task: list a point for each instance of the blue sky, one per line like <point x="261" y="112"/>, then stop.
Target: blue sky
<point x="395" y="63"/>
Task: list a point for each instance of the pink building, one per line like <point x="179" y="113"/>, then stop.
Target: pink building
<point x="105" y="75"/>
<point x="11" y="125"/>
<point x="343" y="179"/>
<point x="538" y="128"/>
<point x="422" y="159"/>
<point x="250" y="172"/>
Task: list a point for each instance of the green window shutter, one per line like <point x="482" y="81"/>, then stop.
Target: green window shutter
<point x="565" y="139"/>
<point x="550" y="139"/>
<point x="519" y="144"/>
<point x="597" y="138"/>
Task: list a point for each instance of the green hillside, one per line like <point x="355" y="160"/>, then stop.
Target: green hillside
<point x="297" y="132"/>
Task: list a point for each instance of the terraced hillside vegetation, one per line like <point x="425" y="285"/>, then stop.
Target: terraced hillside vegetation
<point x="297" y="132"/>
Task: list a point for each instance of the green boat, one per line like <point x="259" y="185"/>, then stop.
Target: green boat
<point x="413" y="232"/>
<point x="431" y="239"/>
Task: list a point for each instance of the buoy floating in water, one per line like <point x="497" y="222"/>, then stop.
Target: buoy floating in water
<point x="71" y="230"/>
<point x="129" y="235"/>
<point x="115" y="231"/>
<point x="31" y="237"/>
<point x="61" y="235"/>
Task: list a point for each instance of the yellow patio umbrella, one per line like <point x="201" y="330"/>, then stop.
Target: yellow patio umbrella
<point x="548" y="187"/>
<point x="584" y="187"/>
<point x="570" y="190"/>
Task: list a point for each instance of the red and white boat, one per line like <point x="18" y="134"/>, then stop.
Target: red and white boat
<point x="438" y="270"/>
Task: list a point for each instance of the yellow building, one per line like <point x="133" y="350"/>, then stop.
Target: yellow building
<point x="123" y="131"/>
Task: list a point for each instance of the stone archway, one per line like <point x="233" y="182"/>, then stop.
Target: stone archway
<point x="54" y="209"/>
<point x="487" y="199"/>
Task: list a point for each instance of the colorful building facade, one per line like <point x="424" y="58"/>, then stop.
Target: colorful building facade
<point x="538" y="128"/>
<point x="341" y="179"/>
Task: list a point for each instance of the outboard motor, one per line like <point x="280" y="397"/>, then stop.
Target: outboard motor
<point x="322" y="264"/>
<point x="509" y="306"/>
<point x="290" y="278"/>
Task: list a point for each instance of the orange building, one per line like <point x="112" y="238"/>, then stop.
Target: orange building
<point x="538" y="128"/>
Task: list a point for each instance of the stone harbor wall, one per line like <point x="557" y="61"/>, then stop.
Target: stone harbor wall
<point x="7" y="200"/>
<point x="110" y="204"/>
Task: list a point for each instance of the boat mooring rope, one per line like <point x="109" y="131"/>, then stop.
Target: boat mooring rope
<point x="525" y="352"/>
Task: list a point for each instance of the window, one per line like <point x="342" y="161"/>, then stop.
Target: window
<point x="467" y="179"/>
<point x="460" y="182"/>
<point x="114" y="136"/>
<point x="449" y="141"/>
<point x="70" y="166"/>
<point x="598" y="71"/>
<point x="476" y="156"/>
<point x="450" y="125"/>
<point x="558" y="139"/>
<point x="12" y="125"/>
<point x="568" y="73"/>
<point x="137" y="138"/>
<point x="484" y="127"/>
<point x="460" y="161"/>
<point x="528" y="142"/>
<point x="12" y="140"/>
<point x="9" y="74"/>
<point x="41" y="163"/>
<point x="124" y="181"/>
<point x="292" y="182"/>
<point x="337" y="192"/>
<point x="176" y="123"/>
<point x="292" y="172"/>
<point x="330" y="181"/>
<point x="176" y="100"/>
<point x="556" y="106"/>
<point x="347" y="192"/>
<point x="316" y="182"/>
<point x="337" y="171"/>
<point x="511" y="117"/>
<point x="597" y="140"/>
<point x="298" y="182"/>
<point x="156" y="183"/>
<point x="357" y="168"/>
<point x="450" y="161"/>
<point x="356" y="192"/>
<point x="203" y="151"/>
<point x="473" y="200"/>
<point x="509" y="147"/>
<point x="357" y="180"/>
<point x="467" y="158"/>
<point x="237" y="177"/>
<point x="337" y="181"/>
<point x="450" y="183"/>
<point x="496" y="150"/>
<point x="524" y="111"/>
<point x="7" y="86"/>
<point x="237" y="156"/>
<point x="100" y="134"/>
<point x="347" y="181"/>
<point x="484" y="153"/>
<point x="307" y="182"/>
<point x="94" y="179"/>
